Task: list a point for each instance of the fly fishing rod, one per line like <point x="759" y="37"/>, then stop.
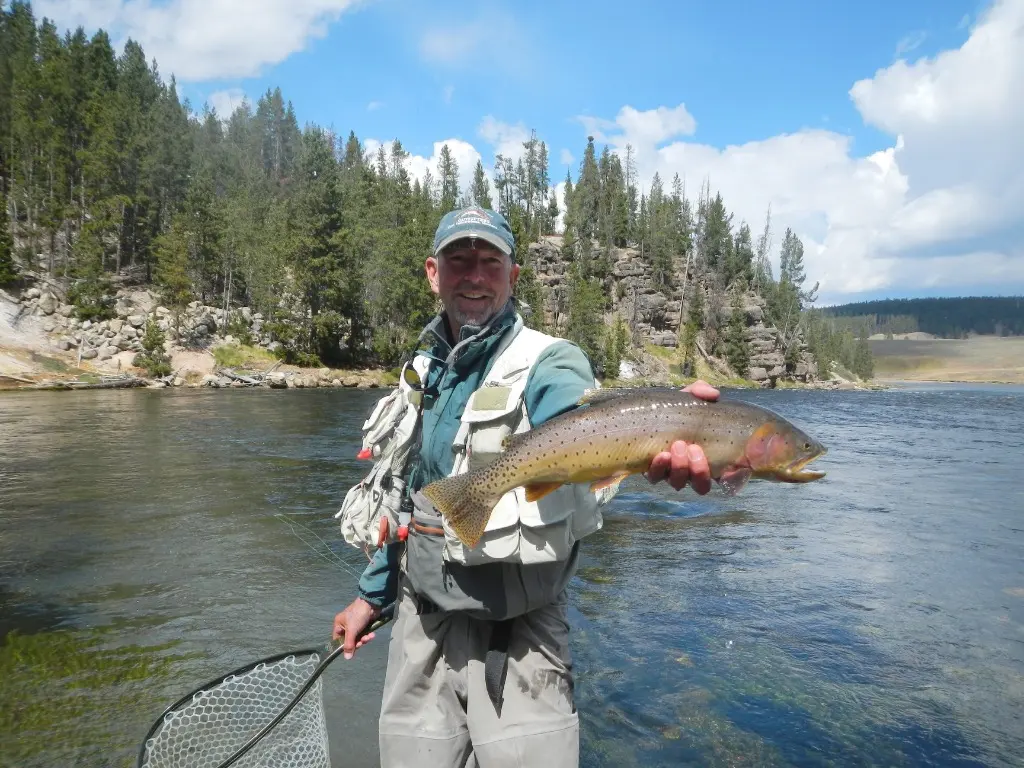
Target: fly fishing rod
<point x="211" y="726"/>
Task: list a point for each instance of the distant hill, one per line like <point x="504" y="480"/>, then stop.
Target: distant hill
<point x="949" y="318"/>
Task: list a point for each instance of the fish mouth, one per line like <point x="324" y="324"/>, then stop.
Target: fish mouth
<point x="795" y="472"/>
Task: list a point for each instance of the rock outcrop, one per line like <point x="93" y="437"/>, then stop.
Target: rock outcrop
<point x="197" y="327"/>
<point x="655" y="313"/>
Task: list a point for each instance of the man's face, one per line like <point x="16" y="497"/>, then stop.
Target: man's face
<point x="474" y="280"/>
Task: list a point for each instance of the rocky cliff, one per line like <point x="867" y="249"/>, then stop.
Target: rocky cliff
<point x="654" y="314"/>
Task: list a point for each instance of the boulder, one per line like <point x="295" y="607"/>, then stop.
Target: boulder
<point x="137" y="321"/>
<point x="49" y="326"/>
<point x="246" y="314"/>
<point x="32" y="293"/>
<point x="209" y="380"/>
<point x="65" y="310"/>
<point x="89" y="354"/>
<point x="757" y="374"/>
<point x="116" y="325"/>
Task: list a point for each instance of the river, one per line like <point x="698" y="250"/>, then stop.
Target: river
<point x="152" y="540"/>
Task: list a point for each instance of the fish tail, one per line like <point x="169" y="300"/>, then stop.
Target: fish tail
<point x="465" y="505"/>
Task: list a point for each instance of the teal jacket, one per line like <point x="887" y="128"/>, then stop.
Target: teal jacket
<point x="561" y="375"/>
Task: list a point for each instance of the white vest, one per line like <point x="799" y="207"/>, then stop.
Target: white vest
<point x="518" y="531"/>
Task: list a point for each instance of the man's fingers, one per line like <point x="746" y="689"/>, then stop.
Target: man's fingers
<point x="660" y="466"/>
<point x="680" y="471"/>
<point x="702" y="389"/>
<point x="700" y="471"/>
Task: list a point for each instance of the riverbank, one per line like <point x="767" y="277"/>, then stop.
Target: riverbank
<point x="977" y="360"/>
<point x="44" y="346"/>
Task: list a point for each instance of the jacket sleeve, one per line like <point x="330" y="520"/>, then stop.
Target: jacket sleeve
<point x="379" y="583"/>
<point x="560" y="377"/>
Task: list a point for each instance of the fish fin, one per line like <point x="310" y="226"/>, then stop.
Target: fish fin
<point x="599" y="395"/>
<point x="464" y="506"/>
<point x="537" y="491"/>
<point x="734" y="479"/>
<point x="607" y="482"/>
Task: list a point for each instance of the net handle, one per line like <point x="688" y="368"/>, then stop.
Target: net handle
<point x="336" y="646"/>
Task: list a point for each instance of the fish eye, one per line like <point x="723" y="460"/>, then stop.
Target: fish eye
<point x="807" y="446"/>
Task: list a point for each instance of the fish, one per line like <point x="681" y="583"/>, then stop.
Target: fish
<point x="617" y="432"/>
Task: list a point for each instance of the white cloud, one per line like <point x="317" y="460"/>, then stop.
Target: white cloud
<point x="447" y="93"/>
<point x="224" y="103"/>
<point x="566" y="158"/>
<point x="507" y="139"/>
<point x="204" y="39"/>
<point x="373" y="106"/>
<point x="647" y="129"/>
<point x="938" y="207"/>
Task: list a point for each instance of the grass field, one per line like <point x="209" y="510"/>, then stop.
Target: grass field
<point x="978" y="359"/>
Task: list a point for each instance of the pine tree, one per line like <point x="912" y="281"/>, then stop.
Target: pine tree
<point x="694" y="325"/>
<point x="584" y="325"/>
<point x="448" y="176"/>
<point x="551" y="219"/>
<point x="739" y="267"/>
<point x="863" y="361"/>
<point x="171" y="252"/>
<point x="153" y="359"/>
<point x="737" y="349"/>
<point x="480" y="191"/>
<point x="8" y="271"/>
<point x="615" y="347"/>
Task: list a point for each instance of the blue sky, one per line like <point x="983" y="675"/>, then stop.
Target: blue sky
<point x="747" y="70"/>
<point x="884" y="134"/>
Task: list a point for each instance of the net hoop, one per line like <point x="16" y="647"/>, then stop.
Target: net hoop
<point x="217" y="706"/>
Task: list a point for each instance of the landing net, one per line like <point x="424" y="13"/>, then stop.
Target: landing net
<point x="206" y="730"/>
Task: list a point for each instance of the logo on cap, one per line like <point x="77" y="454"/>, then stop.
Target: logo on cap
<point x="473" y="216"/>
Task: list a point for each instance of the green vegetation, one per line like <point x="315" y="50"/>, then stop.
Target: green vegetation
<point x="154" y="360"/>
<point x="948" y="318"/>
<point x="110" y="176"/>
<point x="832" y="344"/>
<point x="242" y="356"/>
<point x="8" y="273"/>
<point x="73" y="681"/>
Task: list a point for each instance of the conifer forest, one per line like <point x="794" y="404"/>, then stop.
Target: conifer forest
<point x="108" y="179"/>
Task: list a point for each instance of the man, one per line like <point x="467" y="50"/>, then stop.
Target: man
<point x="479" y="670"/>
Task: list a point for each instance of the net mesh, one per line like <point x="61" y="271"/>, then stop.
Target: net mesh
<point x="214" y="724"/>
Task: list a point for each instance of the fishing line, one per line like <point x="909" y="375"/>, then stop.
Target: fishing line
<point x="334" y="558"/>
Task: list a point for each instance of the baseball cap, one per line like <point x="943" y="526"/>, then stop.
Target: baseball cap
<point x="483" y="223"/>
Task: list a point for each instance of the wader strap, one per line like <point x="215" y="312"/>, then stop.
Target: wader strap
<point x="496" y="662"/>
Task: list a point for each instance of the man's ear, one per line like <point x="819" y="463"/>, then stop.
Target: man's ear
<point x="514" y="275"/>
<point x="431" y="266"/>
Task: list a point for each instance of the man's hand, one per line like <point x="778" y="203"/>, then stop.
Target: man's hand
<point x="350" y="622"/>
<point x="685" y="463"/>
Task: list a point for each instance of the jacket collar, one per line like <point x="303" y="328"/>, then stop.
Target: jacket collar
<point x="472" y="338"/>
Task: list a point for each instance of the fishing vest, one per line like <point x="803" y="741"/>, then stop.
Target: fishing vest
<point x="518" y="531"/>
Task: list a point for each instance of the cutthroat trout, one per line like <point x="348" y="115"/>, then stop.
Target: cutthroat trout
<point x="616" y="434"/>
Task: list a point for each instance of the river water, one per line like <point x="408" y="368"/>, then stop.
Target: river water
<point x="152" y="540"/>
